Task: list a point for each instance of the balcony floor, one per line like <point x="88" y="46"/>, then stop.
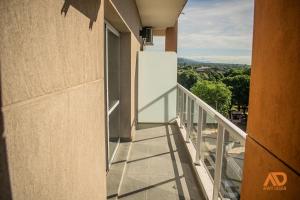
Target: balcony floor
<point x="158" y="166"/>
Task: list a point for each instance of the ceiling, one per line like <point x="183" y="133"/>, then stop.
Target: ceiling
<point x="160" y="14"/>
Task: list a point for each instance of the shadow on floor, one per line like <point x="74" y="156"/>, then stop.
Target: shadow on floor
<point x="159" y="167"/>
<point x="184" y="158"/>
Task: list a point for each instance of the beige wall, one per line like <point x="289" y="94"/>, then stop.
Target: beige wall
<point x="128" y="24"/>
<point x="129" y="14"/>
<point x="135" y="47"/>
<point x="273" y="125"/>
<point x="52" y="93"/>
<point x="125" y="80"/>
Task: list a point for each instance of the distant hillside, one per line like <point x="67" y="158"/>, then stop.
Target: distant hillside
<point x="184" y="62"/>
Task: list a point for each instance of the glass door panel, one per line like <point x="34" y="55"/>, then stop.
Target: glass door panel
<point x="114" y="130"/>
<point x="113" y="63"/>
<point x="112" y="91"/>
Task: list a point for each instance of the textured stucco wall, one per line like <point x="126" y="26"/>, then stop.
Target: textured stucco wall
<point x="273" y="125"/>
<point x="52" y="92"/>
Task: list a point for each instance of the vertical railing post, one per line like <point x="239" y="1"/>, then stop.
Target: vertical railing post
<point x="188" y="125"/>
<point x="204" y="119"/>
<point x="199" y="136"/>
<point x="192" y="116"/>
<point x="177" y="101"/>
<point x="184" y="108"/>
<point x="181" y="108"/>
<point x="219" y="157"/>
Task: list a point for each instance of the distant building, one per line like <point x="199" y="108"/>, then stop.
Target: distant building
<point x="202" y="69"/>
<point x="236" y="116"/>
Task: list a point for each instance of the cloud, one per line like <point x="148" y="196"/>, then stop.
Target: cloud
<point x="221" y="25"/>
<point x="194" y="40"/>
<point x="222" y="59"/>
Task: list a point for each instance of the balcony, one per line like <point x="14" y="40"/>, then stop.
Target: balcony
<point x="198" y="155"/>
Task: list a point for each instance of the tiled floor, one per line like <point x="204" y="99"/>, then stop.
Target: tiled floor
<point x="158" y="167"/>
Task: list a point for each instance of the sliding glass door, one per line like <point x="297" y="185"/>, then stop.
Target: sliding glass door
<point x="112" y="77"/>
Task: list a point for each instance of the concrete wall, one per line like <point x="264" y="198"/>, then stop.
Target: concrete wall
<point x="135" y="47"/>
<point x="52" y="92"/>
<point x="273" y="125"/>
<point x="125" y="79"/>
<point x="129" y="48"/>
<point x="128" y="24"/>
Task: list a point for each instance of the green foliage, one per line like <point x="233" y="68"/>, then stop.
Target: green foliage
<point x="211" y="75"/>
<point x="247" y="71"/>
<point x="187" y="78"/>
<point x="239" y="86"/>
<point x="237" y="71"/>
<point x="216" y="94"/>
<point x="208" y="84"/>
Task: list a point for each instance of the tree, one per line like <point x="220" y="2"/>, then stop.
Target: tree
<point x="211" y="75"/>
<point x="239" y="86"/>
<point x="237" y="71"/>
<point x="187" y="78"/>
<point x="216" y="94"/>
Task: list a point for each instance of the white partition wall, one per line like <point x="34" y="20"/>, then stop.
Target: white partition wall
<point x="157" y="79"/>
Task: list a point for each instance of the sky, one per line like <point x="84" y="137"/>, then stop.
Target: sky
<point x="215" y="31"/>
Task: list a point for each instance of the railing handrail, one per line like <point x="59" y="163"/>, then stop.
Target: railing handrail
<point x="228" y="125"/>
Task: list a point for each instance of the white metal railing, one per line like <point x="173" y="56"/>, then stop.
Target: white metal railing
<point x="216" y="139"/>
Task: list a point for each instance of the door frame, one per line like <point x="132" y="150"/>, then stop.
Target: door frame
<point x="109" y="27"/>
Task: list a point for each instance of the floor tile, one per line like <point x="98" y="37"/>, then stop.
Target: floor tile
<point x="158" y="166"/>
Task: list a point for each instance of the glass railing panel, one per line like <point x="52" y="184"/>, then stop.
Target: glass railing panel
<point x="209" y="142"/>
<point x="232" y="165"/>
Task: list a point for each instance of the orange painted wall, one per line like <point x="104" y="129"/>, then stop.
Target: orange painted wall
<point x="171" y="38"/>
<point x="274" y="107"/>
<point x="259" y="162"/>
